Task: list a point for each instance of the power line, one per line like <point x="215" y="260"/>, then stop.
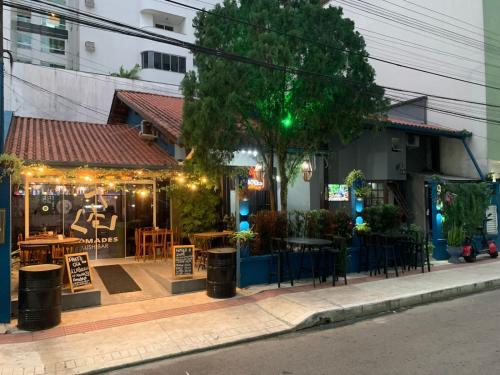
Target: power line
<point x="225" y="55"/>
<point x="268" y="29"/>
<point x="192" y="46"/>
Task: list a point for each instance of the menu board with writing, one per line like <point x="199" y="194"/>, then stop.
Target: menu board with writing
<point x="78" y="269"/>
<point x="183" y="260"/>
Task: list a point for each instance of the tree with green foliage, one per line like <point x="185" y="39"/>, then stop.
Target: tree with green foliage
<point x="285" y="113"/>
<point x="130" y="74"/>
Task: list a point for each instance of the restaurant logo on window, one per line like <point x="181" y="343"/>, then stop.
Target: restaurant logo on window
<point x="93" y="217"/>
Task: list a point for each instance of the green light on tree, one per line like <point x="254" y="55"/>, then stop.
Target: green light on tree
<point x="287" y="121"/>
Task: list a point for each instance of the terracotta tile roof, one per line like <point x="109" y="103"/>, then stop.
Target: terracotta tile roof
<point x="392" y="122"/>
<point x="54" y="141"/>
<point x="164" y="112"/>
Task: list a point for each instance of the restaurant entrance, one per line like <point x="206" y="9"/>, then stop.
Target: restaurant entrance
<point x="104" y="216"/>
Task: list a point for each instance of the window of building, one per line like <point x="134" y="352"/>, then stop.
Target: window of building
<point x="23" y="16"/>
<point x="54" y="21"/>
<point x="377" y="194"/>
<point x="52" y="65"/>
<point x="53" y="45"/>
<point x="157" y="60"/>
<point x="164" y="27"/>
<point x="23" y="40"/>
<point x="163" y="61"/>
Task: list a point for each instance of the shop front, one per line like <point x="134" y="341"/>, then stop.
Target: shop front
<point x="103" y="215"/>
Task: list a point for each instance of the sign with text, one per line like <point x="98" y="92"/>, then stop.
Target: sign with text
<point x="78" y="268"/>
<point x="183" y="261"/>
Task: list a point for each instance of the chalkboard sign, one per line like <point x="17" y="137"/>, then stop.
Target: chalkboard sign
<point x="183" y="260"/>
<point x="78" y="268"/>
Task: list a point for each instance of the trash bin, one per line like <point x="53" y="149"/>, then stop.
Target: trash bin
<point x="221" y="273"/>
<point x="39" y="298"/>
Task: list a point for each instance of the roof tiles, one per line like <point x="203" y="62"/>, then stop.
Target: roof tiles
<point x="164" y="112"/>
<point x="54" y="141"/>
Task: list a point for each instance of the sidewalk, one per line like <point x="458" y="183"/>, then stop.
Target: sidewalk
<point x="120" y="335"/>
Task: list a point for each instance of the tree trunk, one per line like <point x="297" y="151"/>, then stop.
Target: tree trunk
<point x="284" y="182"/>
<point x="270" y="182"/>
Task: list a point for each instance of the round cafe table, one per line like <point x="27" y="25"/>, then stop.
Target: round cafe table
<point x="50" y="243"/>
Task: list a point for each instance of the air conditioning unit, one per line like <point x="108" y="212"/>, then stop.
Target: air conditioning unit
<point x="89" y="3"/>
<point x="413" y="141"/>
<point x="148" y="132"/>
<point x="90" y="46"/>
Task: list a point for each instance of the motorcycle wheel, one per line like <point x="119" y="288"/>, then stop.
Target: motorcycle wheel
<point x="494" y="255"/>
<point x="470" y="258"/>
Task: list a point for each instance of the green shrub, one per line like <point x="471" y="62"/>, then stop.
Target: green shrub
<point x="382" y="218"/>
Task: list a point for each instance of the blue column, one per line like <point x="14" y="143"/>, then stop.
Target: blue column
<point x="5" y="266"/>
<point x="439" y="243"/>
<point x="5" y="247"/>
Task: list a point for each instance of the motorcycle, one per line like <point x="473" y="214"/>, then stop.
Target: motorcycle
<point x="469" y="250"/>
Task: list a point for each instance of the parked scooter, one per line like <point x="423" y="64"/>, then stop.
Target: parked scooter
<point x="469" y="251"/>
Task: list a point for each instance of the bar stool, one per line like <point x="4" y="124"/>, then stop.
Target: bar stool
<point x="279" y="248"/>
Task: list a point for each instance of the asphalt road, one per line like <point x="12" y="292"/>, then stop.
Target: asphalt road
<point x="456" y="337"/>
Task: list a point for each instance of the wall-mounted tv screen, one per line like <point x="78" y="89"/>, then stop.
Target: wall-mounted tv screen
<point x="338" y="193"/>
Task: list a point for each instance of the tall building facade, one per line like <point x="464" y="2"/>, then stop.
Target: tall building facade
<point x="56" y="42"/>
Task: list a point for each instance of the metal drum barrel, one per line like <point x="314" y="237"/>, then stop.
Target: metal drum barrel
<point x="221" y="273"/>
<point x="39" y="299"/>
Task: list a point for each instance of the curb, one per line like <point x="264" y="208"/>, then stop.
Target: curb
<point x="355" y="313"/>
<point x="344" y="316"/>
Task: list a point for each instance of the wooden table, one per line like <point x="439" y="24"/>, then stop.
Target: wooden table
<point x="206" y="241"/>
<point x="51" y="243"/>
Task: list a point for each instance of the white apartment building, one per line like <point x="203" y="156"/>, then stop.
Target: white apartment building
<point x="55" y="42"/>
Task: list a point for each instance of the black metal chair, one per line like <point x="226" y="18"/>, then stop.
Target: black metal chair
<point x="279" y="249"/>
<point x="336" y="258"/>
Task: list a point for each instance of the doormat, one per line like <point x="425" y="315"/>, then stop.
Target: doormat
<point x="116" y="279"/>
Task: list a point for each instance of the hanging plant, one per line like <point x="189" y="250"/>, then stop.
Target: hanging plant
<point x="11" y="165"/>
<point x="363" y="192"/>
<point x="355" y="178"/>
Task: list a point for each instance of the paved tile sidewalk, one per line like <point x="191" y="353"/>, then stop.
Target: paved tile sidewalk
<point x="145" y="332"/>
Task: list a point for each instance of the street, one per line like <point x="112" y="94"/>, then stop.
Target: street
<point x="456" y="337"/>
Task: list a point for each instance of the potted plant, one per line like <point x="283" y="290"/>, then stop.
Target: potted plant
<point x="362" y="229"/>
<point x="456" y="237"/>
<point x="244" y="236"/>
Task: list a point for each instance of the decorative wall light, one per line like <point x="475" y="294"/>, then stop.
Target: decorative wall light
<point x="307" y="169"/>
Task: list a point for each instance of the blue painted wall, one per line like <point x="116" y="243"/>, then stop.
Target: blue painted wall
<point x="254" y="270"/>
<point x="5" y="266"/>
<point x="6" y="125"/>
<point x="5" y="248"/>
<point x="134" y="119"/>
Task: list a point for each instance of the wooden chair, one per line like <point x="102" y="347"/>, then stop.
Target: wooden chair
<point x="160" y="242"/>
<point x="147" y="241"/>
<point x="200" y="251"/>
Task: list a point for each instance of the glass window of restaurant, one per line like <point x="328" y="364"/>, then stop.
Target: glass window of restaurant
<point x="104" y="216"/>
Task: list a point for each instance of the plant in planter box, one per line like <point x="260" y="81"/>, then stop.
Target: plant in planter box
<point x="268" y="224"/>
<point x="383" y="218"/>
<point x="455" y="237"/>
<point x="342" y="225"/>
<point x="362" y="228"/>
<point x="244" y="236"/>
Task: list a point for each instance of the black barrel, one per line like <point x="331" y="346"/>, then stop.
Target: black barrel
<point x="221" y="273"/>
<point x="39" y="299"/>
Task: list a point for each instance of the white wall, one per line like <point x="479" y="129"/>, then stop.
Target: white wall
<point x="113" y="50"/>
<point x="454" y="159"/>
<point x="80" y="96"/>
